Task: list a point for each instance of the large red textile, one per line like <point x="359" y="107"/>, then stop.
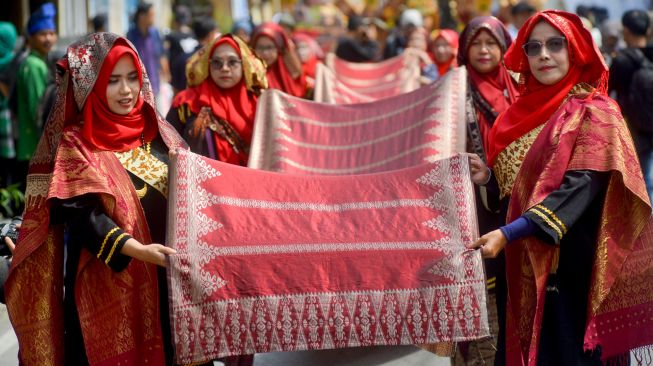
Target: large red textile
<point x="277" y="262"/>
<point x="342" y="82"/>
<point x="299" y="136"/>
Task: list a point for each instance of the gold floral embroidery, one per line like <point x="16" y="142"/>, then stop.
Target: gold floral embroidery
<point x="510" y="159"/>
<point x="147" y="167"/>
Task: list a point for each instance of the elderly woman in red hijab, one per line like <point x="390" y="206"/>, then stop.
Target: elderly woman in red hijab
<point x="579" y="243"/>
<point x="444" y="48"/>
<point x="98" y="183"/>
<point x="284" y="69"/>
<point x="490" y="91"/>
<point x="215" y="114"/>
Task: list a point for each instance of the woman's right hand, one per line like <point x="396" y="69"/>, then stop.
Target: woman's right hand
<point x="151" y="253"/>
<point x="479" y="171"/>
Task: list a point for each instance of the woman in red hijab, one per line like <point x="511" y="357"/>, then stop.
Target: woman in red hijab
<point x="444" y="48"/>
<point x="490" y="91"/>
<point x="284" y="69"/>
<point x="215" y="114"/>
<point x="579" y="243"/>
<point x="98" y="179"/>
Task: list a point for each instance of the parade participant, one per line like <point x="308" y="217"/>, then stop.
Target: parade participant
<point x="8" y="37"/>
<point x="309" y="53"/>
<point x="443" y="47"/>
<point x="215" y="114"/>
<point x="98" y="182"/>
<point x="418" y="43"/>
<point x="31" y="82"/>
<point x="284" y="70"/>
<point x="578" y="243"/>
<point x="360" y="44"/>
<point x="491" y="90"/>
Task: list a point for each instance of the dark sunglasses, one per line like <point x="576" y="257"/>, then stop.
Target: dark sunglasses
<point x="553" y="45"/>
<point x="219" y="64"/>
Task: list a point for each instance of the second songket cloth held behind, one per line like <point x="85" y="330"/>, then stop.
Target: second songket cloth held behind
<point x="274" y="262"/>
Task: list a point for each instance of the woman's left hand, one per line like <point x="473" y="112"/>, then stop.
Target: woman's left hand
<point x="478" y="170"/>
<point x="491" y="244"/>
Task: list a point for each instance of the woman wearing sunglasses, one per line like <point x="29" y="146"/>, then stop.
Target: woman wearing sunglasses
<point x="491" y="90"/>
<point x="578" y="246"/>
<point x="215" y="114"/>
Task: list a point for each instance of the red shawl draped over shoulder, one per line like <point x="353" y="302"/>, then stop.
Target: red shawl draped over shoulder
<point x="584" y="131"/>
<point x="236" y="105"/>
<point x="286" y="74"/>
<point x="118" y="311"/>
<point x="497" y="87"/>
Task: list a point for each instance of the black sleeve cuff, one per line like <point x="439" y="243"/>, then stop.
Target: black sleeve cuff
<point x="109" y="251"/>
<point x="551" y="228"/>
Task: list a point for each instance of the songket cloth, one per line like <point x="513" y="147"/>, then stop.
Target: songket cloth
<point x="278" y="262"/>
<point x="343" y="82"/>
<point x="298" y="136"/>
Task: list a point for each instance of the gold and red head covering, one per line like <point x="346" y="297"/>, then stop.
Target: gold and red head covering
<point x="118" y="311"/>
<point x="288" y="75"/>
<point x="586" y="66"/>
<point x="235" y="105"/>
<point x="491" y="85"/>
<point x="451" y="36"/>
<point x="106" y="130"/>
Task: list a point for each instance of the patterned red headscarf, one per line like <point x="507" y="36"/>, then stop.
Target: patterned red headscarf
<point x="109" y="131"/>
<point x="537" y="101"/>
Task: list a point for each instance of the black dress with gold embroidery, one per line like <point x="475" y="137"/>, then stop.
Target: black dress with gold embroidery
<point x="568" y="217"/>
<point x="87" y="227"/>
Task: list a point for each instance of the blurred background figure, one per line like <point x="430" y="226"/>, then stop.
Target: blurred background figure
<point x="444" y="49"/>
<point x="99" y="23"/>
<point x="519" y="13"/>
<point x="309" y="52"/>
<point x="398" y="38"/>
<point x="611" y="40"/>
<point x="149" y="45"/>
<point x="243" y="29"/>
<point x="8" y="37"/>
<point x="360" y="44"/>
<point x="181" y="39"/>
<point x="205" y="30"/>
<point x="418" y="43"/>
<point x="33" y="77"/>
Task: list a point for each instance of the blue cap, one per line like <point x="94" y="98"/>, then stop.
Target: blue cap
<point x="42" y="19"/>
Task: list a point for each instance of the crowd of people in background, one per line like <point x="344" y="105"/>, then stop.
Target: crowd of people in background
<point x="522" y="72"/>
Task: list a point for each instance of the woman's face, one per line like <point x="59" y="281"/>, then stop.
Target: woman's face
<point x="303" y="51"/>
<point x="484" y="52"/>
<point x="124" y="86"/>
<point x="552" y="63"/>
<point x="266" y="49"/>
<point x="226" y="67"/>
<point x="442" y="50"/>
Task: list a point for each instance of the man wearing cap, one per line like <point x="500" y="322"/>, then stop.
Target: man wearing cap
<point x="397" y="41"/>
<point x="31" y="82"/>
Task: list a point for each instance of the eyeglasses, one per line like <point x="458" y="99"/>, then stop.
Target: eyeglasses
<point x="553" y="45"/>
<point x="231" y="63"/>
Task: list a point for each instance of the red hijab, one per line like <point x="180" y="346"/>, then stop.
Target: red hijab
<point x="537" y="101"/>
<point x="309" y="65"/>
<point x="109" y="131"/>
<point x="280" y="73"/>
<point x="235" y="105"/>
<point x="493" y="85"/>
<point x="451" y="36"/>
